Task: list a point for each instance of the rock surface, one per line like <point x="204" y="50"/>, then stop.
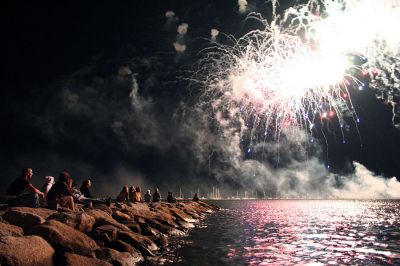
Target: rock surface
<point x="25" y="250"/>
<point x="122" y="234"/>
<point x="65" y="238"/>
<point x="10" y="230"/>
<point x="75" y="259"/>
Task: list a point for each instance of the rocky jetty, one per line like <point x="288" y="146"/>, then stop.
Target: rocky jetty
<point x="122" y="234"/>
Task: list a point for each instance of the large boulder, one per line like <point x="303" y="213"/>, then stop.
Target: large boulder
<point x="109" y="230"/>
<point x="75" y="259"/>
<point x="124" y="247"/>
<point x="165" y="229"/>
<point x="141" y="243"/>
<point x="80" y="221"/>
<point x="10" y="230"/>
<point x="26" y="220"/>
<point x="42" y="212"/>
<point x="25" y="250"/>
<point x="103" y="218"/>
<point x="121" y="217"/>
<point x="116" y="257"/>
<point x="103" y="208"/>
<point x="64" y="238"/>
<point x="181" y="215"/>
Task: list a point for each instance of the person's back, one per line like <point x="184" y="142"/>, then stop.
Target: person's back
<point x="59" y="193"/>
<point x="49" y="182"/>
<point x="18" y="186"/>
<point x="147" y="196"/>
<point x="58" y="190"/>
<point x="123" y="195"/>
<point x="156" y="195"/>
<point x="85" y="188"/>
<point x="170" y="198"/>
<point x="196" y="197"/>
<point x="138" y="195"/>
<point x="132" y="194"/>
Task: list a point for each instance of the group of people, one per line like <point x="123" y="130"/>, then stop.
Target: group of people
<point x="63" y="193"/>
<point x="133" y="194"/>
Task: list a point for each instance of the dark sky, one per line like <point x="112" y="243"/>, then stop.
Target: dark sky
<point x="63" y="107"/>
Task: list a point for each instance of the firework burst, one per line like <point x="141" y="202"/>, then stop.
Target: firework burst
<point x="303" y="66"/>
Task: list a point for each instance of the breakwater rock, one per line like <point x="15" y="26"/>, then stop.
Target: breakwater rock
<point x="122" y="234"/>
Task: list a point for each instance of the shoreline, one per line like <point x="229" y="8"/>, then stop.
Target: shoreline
<point x="122" y="234"/>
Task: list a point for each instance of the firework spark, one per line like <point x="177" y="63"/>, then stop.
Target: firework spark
<point x="304" y="65"/>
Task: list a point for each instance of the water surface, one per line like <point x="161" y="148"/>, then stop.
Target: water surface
<point x="293" y="232"/>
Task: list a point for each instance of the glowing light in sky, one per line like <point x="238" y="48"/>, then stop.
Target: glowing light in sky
<point x="305" y="64"/>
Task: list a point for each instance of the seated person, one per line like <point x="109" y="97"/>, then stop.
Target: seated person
<point x="123" y="196"/>
<point x="171" y="198"/>
<point x="85" y="188"/>
<point x="59" y="194"/>
<point x="156" y="195"/>
<point x="147" y="196"/>
<point x="48" y="183"/>
<point x="138" y="195"/>
<point x="23" y="192"/>
<point x="80" y="198"/>
<point x="132" y="194"/>
<point x="196" y="197"/>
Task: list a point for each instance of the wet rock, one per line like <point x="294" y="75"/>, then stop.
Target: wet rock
<point x="134" y="227"/>
<point x="141" y="243"/>
<point x="165" y="229"/>
<point x="25" y="250"/>
<point x="64" y="238"/>
<point x="80" y="221"/>
<point x="109" y="230"/>
<point x="10" y="230"/>
<point x="116" y="257"/>
<point x="75" y="259"/>
<point x="147" y="230"/>
<point x="124" y="247"/>
<point x="160" y="240"/>
<point x="185" y="225"/>
<point x="26" y="220"/>
<point x="103" y="218"/>
<point x="121" y="217"/>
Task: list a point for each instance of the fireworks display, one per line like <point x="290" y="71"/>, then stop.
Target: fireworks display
<point x="304" y="65"/>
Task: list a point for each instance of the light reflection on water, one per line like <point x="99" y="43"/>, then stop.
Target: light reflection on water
<point x="293" y="232"/>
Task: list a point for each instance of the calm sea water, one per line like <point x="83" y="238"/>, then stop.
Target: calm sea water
<point x="293" y="232"/>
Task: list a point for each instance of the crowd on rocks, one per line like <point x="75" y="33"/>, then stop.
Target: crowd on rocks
<point x="64" y="193"/>
<point x="89" y="231"/>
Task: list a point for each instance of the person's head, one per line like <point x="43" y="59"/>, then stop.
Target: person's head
<point x="87" y="183"/>
<point x="49" y="179"/>
<point x="64" y="177"/>
<point x="169" y="193"/>
<point x="156" y="190"/>
<point x="148" y="191"/>
<point x="125" y="189"/>
<point x="138" y="189"/>
<point x="131" y="189"/>
<point x="27" y="172"/>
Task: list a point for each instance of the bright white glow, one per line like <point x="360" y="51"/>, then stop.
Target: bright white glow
<point x="302" y="65"/>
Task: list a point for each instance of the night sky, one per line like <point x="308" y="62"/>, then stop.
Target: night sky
<point x="64" y="106"/>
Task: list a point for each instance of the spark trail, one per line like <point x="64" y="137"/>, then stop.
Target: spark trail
<point x="303" y="65"/>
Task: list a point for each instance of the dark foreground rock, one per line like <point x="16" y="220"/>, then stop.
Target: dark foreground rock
<point x="122" y="234"/>
<point x="25" y="250"/>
